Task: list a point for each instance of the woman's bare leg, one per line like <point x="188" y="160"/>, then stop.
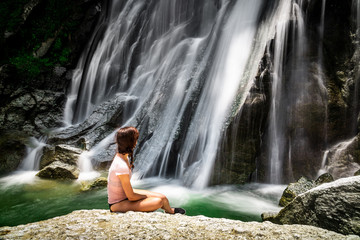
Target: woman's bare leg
<point x="144" y="205"/>
<point x="165" y="201"/>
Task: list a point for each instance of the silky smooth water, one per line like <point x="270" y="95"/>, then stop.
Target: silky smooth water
<point x="25" y="198"/>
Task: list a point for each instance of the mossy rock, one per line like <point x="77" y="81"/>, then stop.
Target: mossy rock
<point x="100" y="182"/>
<point x="294" y="189"/>
<point x="301" y="186"/>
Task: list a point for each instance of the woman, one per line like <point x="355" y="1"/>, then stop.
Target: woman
<point x="121" y="196"/>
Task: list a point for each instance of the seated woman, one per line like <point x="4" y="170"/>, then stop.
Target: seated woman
<point x="121" y="196"/>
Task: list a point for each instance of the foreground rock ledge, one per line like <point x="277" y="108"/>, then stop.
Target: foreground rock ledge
<point x="101" y="224"/>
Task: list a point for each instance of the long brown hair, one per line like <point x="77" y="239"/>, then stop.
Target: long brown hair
<point x="126" y="139"/>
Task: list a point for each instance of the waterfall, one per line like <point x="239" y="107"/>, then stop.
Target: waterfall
<point x="298" y="96"/>
<point x="276" y="125"/>
<point x="33" y="154"/>
<point x="323" y="169"/>
<point x="185" y="65"/>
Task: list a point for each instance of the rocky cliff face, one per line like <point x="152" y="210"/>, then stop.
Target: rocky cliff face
<point x="40" y="44"/>
<point x="101" y="224"/>
<point x="311" y="128"/>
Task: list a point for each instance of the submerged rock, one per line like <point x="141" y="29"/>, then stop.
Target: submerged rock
<point x="334" y="206"/>
<point x="59" y="170"/>
<point x="101" y="224"/>
<point x="100" y="182"/>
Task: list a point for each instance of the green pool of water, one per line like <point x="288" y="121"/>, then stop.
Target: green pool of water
<point x="33" y="199"/>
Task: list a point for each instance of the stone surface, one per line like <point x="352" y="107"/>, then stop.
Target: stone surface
<point x="301" y="186"/>
<point x="334" y="206"/>
<point x="101" y="224"/>
<point x="343" y="159"/>
<point x="294" y="189"/>
<point x="63" y="153"/>
<point x="59" y="170"/>
<point x="268" y="216"/>
<point x="101" y="123"/>
<point x="241" y="142"/>
<point x="100" y="182"/>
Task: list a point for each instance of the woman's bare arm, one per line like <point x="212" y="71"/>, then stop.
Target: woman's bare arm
<point x="129" y="191"/>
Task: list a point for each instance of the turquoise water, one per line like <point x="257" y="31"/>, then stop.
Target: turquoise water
<point x="25" y="198"/>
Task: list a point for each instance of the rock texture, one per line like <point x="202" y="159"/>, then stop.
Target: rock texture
<point x="63" y="153"/>
<point x="100" y="182"/>
<point x="31" y="105"/>
<point x="101" y="224"/>
<point x="334" y="206"/>
<point x="343" y="160"/>
<point x="59" y="170"/>
<point x="301" y="186"/>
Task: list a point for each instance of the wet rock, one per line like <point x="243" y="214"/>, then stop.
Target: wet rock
<point x="102" y="122"/>
<point x="241" y="140"/>
<point x="101" y="224"/>
<point x="334" y="206"/>
<point x="62" y="153"/>
<point x="100" y="182"/>
<point x="12" y="150"/>
<point x="343" y="159"/>
<point x="59" y="170"/>
<point x="357" y="173"/>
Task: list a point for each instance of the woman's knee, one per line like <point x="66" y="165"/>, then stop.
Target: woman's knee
<point x="158" y="202"/>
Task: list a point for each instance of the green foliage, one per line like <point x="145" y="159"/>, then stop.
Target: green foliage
<point x="10" y="14"/>
<point x="30" y="66"/>
<point x="50" y="19"/>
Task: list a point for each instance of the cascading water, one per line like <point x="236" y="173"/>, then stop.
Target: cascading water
<point x="183" y="75"/>
<point x="277" y="124"/>
<point x="299" y="96"/>
<point x="34" y="151"/>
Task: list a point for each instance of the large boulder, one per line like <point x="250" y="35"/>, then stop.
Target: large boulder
<point x="334" y="206"/>
<point x="301" y="186"/>
<point x="63" y="153"/>
<point x="101" y="224"/>
<point x="59" y="170"/>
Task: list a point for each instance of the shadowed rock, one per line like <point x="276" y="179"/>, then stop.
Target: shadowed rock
<point x="334" y="206"/>
<point x="301" y="186"/>
<point x="59" y="170"/>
